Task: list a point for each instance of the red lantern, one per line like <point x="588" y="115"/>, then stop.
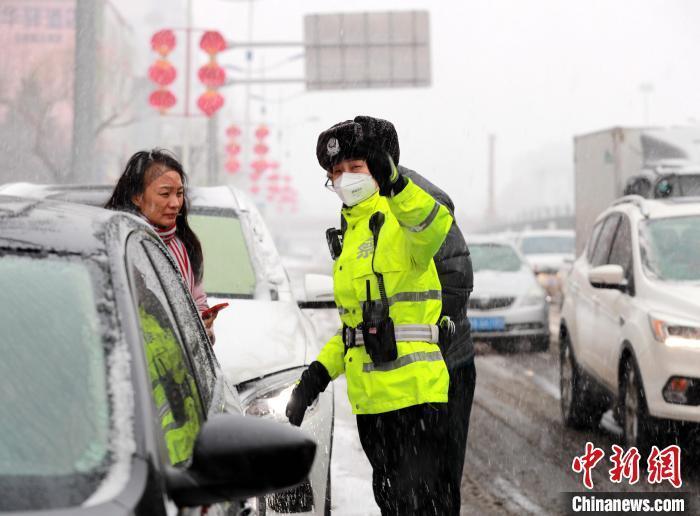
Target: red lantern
<point x="259" y="165"/>
<point x="233" y="166"/>
<point x="261" y="132"/>
<point x="254" y="189"/>
<point x="210" y="102"/>
<point x="233" y="131"/>
<point x="260" y="149"/>
<point x="233" y="148"/>
<point x="212" y="75"/>
<point x="162" y="72"/>
<point x="163" y="42"/>
<point x="212" y="42"/>
<point x="162" y="99"/>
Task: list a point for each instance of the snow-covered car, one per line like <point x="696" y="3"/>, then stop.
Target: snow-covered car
<point x="507" y="305"/>
<point x="550" y="253"/>
<point x="263" y="339"/>
<point x="630" y="325"/>
<point x="112" y="399"/>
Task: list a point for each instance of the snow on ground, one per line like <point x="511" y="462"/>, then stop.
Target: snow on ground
<point x="351" y="474"/>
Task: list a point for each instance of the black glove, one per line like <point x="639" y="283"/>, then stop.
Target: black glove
<point x="313" y="381"/>
<point x="385" y="173"/>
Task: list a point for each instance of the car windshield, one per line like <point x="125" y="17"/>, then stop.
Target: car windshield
<point x="548" y="245"/>
<point x="228" y="269"/>
<point x="670" y="248"/>
<point x="494" y="257"/>
<point x="55" y="407"/>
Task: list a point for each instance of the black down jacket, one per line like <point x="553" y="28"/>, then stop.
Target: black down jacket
<point x="454" y="267"/>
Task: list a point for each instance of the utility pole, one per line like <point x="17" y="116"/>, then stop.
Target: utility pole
<point x="491" y="208"/>
<point x="84" y="93"/>
<point x="186" y="161"/>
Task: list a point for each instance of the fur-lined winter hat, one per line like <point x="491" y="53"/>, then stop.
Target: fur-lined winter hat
<point x="356" y="139"/>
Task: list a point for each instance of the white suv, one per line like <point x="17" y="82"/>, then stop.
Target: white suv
<point x="630" y="325"/>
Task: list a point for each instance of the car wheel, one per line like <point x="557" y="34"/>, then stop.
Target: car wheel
<point x="503" y="345"/>
<point x="578" y="408"/>
<point x="540" y="343"/>
<point x="636" y="424"/>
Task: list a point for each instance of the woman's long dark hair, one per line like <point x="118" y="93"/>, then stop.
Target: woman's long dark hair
<point x="133" y="182"/>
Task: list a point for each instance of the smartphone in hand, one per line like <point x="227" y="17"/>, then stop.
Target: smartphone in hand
<point x="213" y="310"/>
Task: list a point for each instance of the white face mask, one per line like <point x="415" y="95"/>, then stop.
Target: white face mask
<point x="353" y="188"/>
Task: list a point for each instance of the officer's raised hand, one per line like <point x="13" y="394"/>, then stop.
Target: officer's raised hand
<point x="313" y="381"/>
<point x="385" y="173"/>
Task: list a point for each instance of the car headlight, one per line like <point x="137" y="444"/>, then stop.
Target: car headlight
<point x="534" y="296"/>
<point x="675" y="332"/>
<point x="272" y="403"/>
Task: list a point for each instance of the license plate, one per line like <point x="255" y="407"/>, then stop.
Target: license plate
<point x="487" y="323"/>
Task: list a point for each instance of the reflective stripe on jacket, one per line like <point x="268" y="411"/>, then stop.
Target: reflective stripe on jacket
<point x="414" y="229"/>
<point x="174" y="389"/>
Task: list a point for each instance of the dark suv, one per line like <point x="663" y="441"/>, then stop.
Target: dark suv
<point x="113" y="402"/>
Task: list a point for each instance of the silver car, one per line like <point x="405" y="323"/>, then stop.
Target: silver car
<point x="508" y="305"/>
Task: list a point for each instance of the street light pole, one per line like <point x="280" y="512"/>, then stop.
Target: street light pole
<point x="186" y="161"/>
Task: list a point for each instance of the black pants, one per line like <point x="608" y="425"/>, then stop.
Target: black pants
<point x="461" y="395"/>
<point x="407" y="449"/>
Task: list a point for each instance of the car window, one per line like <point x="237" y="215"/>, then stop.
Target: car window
<point x="621" y="251"/>
<point x="670" y="248"/>
<point x="602" y="246"/>
<point x="187" y="317"/>
<point x="592" y="241"/>
<point x="228" y="268"/>
<point x="55" y="404"/>
<point x="546" y="244"/>
<point x="494" y="257"/>
<point x="173" y="385"/>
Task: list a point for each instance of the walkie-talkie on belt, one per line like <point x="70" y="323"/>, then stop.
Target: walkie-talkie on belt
<point x="377" y="327"/>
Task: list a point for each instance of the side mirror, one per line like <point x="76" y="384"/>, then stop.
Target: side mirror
<point x="609" y="277"/>
<point x="238" y="457"/>
<point x="319" y="291"/>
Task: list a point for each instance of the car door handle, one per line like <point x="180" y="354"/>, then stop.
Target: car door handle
<point x="622" y="321"/>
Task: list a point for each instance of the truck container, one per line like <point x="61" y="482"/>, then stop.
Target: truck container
<point x="609" y="160"/>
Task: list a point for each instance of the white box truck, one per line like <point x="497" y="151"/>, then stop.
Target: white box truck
<point x="652" y="162"/>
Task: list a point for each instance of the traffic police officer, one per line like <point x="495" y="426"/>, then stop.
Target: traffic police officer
<point x="389" y="298"/>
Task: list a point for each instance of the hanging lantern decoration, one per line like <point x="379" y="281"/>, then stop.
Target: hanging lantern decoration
<point x="232" y="150"/>
<point x="210" y="102"/>
<point x="162" y="72"/>
<point x="212" y="42"/>
<point x="162" y="100"/>
<point x="163" y="42"/>
<point x="212" y="75"/>
<point x="260" y="164"/>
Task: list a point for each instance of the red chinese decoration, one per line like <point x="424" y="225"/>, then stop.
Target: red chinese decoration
<point x="163" y="42"/>
<point x="162" y="100"/>
<point x="162" y="72"/>
<point x="260" y="149"/>
<point x="262" y="132"/>
<point x="232" y="149"/>
<point x="212" y="75"/>
<point x="212" y="42"/>
<point x="210" y="102"/>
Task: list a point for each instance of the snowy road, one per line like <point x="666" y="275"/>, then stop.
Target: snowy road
<point x="519" y="454"/>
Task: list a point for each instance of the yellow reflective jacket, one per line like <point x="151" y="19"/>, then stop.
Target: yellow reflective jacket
<point x="414" y="229"/>
<point x="174" y="390"/>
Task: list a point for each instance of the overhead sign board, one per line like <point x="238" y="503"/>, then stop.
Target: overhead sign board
<point x="367" y="50"/>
